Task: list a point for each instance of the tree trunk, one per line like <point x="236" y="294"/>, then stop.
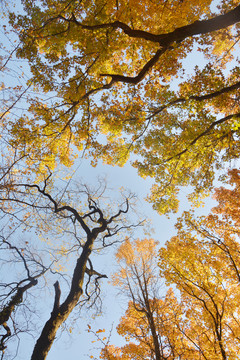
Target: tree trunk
<point x="61" y="312"/>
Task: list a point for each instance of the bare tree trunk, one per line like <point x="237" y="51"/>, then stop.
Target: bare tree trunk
<point x="61" y="312"/>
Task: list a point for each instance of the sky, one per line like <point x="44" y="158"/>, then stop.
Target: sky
<point x="78" y="345"/>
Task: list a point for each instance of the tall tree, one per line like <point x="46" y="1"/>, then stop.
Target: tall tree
<point x="200" y="322"/>
<point x="209" y="298"/>
<point x="78" y="231"/>
<point x="116" y="69"/>
<point x="203" y="262"/>
<point x="153" y="324"/>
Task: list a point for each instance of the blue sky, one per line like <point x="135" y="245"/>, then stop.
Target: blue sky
<point x="78" y="345"/>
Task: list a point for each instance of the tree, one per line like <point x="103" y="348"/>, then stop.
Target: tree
<point x="114" y="69"/>
<point x="89" y="228"/>
<point x="227" y="210"/>
<point x="203" y="262"/>
<point x="136" y="278"/>
<point x="12" y="293"/>
<point x="200" y="321"/>
<point x="135" y="327"/>
<point x="153" y="325"/>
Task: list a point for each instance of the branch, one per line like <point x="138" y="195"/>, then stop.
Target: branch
<point x="136" y="79"/>
<point x="57" y="297"/>
<point x="94" y="272"/>
<point x="164" y="40"/>
<point x="20" y="255"/>
<point x="179" y="34"/>
<point x="58" y="209"/>
<point x="201" y="27"/>
<point x="96" y="291"/>
<point x="217" y="122"/>
<point x="14" y="103"/>
<point x="15" y="161"/>
<point x="199" y="98"/>
<point x="119" y="212"/>
<point x="15" y="300"/>
<point x="4" y="337"/>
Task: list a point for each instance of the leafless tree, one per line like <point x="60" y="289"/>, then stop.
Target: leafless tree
<point x="13" y="291"/>
<point x="81" y="225"/>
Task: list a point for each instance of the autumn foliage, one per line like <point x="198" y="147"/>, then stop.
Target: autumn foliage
<point x="200" y="320"/>
<point x="112" y="79"/>
<point x="203" y="262"/>
<point x="155" y="83"/>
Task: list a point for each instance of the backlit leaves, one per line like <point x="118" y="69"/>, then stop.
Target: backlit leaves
<point x="116" y="83"/>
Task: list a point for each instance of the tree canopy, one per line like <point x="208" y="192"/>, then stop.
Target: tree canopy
<point x="203" y="262"/>
<point x="200" y="319"/>
<point x="117" y="81"/>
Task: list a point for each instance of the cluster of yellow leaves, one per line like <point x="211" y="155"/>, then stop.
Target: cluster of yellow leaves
<point x="70" y="46"/>
<point x="142" y="252"/>
<point x="203" y="262"/>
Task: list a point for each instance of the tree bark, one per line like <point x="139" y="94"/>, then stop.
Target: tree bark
<point x="199" y="27"/>
<point x="61" y="312"/>
<point x="15" y="300"/>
